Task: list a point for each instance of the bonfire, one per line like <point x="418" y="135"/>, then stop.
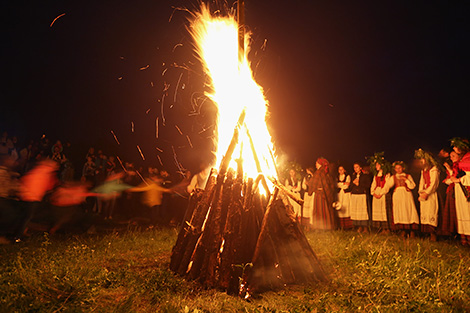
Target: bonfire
<point x="240" y="233"/>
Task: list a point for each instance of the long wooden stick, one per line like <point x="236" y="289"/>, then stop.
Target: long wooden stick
<point x="233" y="143"/>
<point x="289" y="193"/>
<point x="257" y="163"/>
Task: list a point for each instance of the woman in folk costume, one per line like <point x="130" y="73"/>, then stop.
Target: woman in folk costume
<point x="343" y="181"/>
<point x="293" y="185"/>
<point x="309" y="195"/>
<point x="382" y="217"/>
<point x="428" y="183"/>
<point x="462" y="189"/>
<point x="359" y="187"/>
<point x="405" y="216"/>
<point x="323" y="216"/>
<point x="447" y="225"/>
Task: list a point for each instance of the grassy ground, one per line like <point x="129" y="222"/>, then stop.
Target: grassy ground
<point x="128" y="272"/>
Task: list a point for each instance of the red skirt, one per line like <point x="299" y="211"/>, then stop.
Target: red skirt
<point x="448" y="217"/>
<point x="345" y="223"/>
<point x="322" y="215"/>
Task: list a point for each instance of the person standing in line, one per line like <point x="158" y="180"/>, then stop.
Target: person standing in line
<point x="443" y="157"/>
<point x="343" y="182"/>
<point x="428" y="183"/>
<point x="88" y="177"/>
<point x="462" y="189"/>
<point x="381" y="208"/>
<point x="8" y="199"/>
<point x="405" y="216"/>
<point x="323" y="217"/>
<point x="359" y="187"/>
<point x="90" y="153"/>
<point x="292" y="183"/>
<point x="111" y="167"/>
<point x="447" y="225"/>
<point x="307" y="185"/>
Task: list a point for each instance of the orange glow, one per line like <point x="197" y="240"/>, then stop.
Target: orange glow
<point x="233" y="89"/>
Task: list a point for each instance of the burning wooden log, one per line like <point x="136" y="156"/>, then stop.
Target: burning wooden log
<point x="282" y="255"/>
<point x="190" y="233"/>
<point x="287" y="192"/>
<point x="238" y="232"/>
<point x="189" y="252"/>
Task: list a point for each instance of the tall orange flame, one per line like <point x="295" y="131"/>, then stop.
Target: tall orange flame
<point x="233" y="89"/>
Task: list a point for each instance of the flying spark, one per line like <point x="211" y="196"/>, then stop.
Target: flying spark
<point x="189" y="141"/>
<point x="177" y="86"/>
<point x="179" y="130"/>
<point x="120" y="162"/>
<point x="141" y="177"/>
<point x="156" y="128"/>
<point x="141" y="154"/>
<point x="159" y="160"/>
<point x="176" y="46"/>
<point x="56" y="19"/>
<point x="115" y="138"/>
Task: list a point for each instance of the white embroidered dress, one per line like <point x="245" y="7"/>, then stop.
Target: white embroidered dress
<point x="379" y="209"/>
<point x="462" y="206"/>
<point x="294" y="187"/>
<point x="404" y="208"/>
<point x="429" y="207"/>
<point x="344" y="197"/>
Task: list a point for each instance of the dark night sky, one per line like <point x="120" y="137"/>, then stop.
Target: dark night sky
<point x="344" y="78"/>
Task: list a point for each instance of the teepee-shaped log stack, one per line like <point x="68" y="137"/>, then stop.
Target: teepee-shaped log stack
<point x="234" y="239"/>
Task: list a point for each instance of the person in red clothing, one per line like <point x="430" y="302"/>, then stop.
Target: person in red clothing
<point x="462" y="188"/>
<point x="33" y="186"/>
<point x="323" y="216"/>
<point x="448" y="217"/>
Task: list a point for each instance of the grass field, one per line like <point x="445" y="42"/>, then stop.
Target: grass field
<point x="127" y="271"/>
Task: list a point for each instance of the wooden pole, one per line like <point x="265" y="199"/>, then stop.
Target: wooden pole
<point x="257" y="163"/>
<point x="286" y="191"/>
<point x="204" y="241"/>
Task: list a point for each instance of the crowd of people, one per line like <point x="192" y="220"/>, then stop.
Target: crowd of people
<point x="41" y="188"/>
<point x="430" y="200"/>
<point x="49" y="187"/>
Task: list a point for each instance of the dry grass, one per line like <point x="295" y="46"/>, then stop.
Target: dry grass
<point x="128" y="272"/>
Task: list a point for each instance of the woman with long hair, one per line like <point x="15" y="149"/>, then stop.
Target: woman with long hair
<point x="323" y="216"/>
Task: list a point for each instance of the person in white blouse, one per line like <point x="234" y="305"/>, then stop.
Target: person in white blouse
<point x="293" y="185"/>
<point x="429" y="203"/>
<point x="343" y="182"/>
<point x="462" y="189"/>
<point x="405" y="216"/>
<point x="309" y="196"/>
<point x="379" y="202"/>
